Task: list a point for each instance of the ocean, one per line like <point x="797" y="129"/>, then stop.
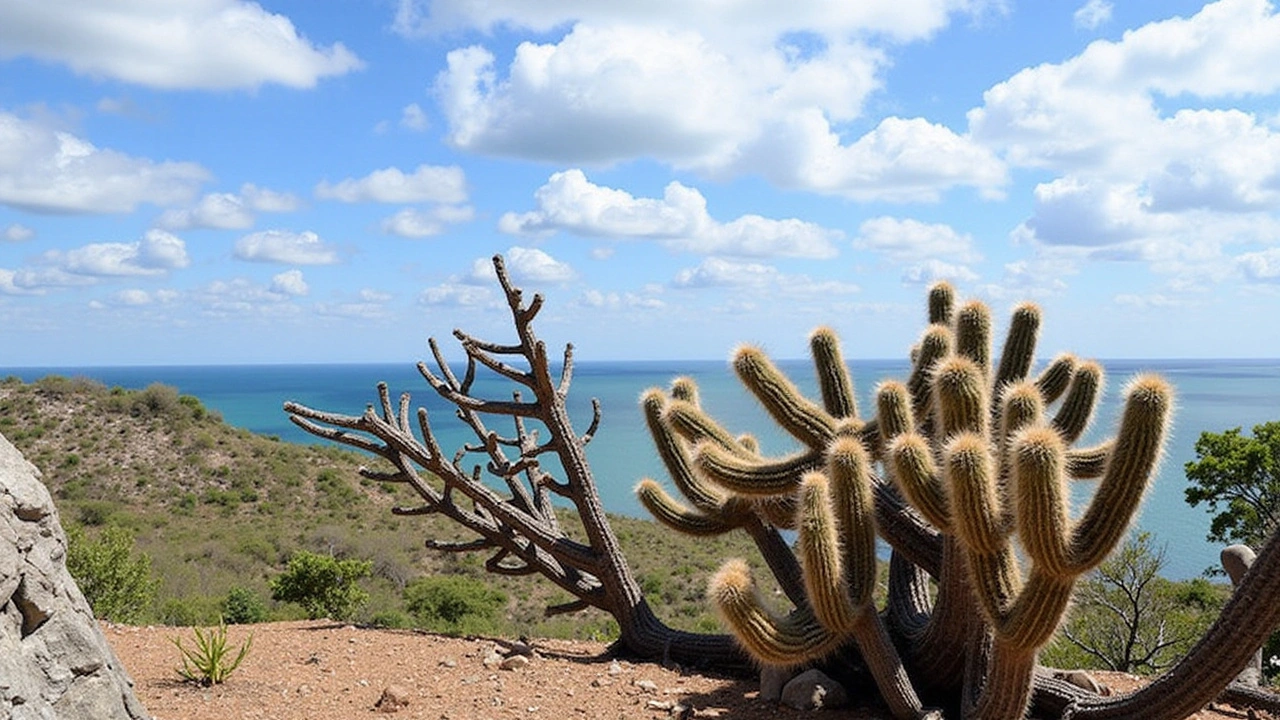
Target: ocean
<point x="1213" y="395"/>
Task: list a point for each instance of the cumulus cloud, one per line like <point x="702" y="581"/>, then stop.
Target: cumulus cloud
<point x="17" y="233"/>
<point x="419" y="223"/>
<point x="932" y="270"/>
<point x="428" y="183"/>
<point x="283" y="246"/>
<point x="135" y="297"/>
<point x="289" y="282"/>
<point x="569" y="202"/>
<point x="1148" y="164"/>
<point x="715" y="272"/>
<point x="156" y="253"/>
<point x="528" y="265"/>
<point x="1092" y="14"/>
<point x="228" y="211"/>
<point x="456" y="294"/>
<point x="44" y="169"/>
<point x="698" y="99"/>
<point x="907" y="240"/>
<point x="241" y="297"/>
<point x="210" y="45"/>
<point x="1261" y="266"/>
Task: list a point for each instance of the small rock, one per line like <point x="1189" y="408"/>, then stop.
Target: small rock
<point x="515" y="662"/>
<point x="648" y="686"/>
<point x="601" y="682"/>
<point x="813" y="689"/>
<point x="659" y="705"/>
<point x="492" y="660"/>
<point x="394" y="698"/>
<point x="615" y="668"/>
<point x="448" y="662"/>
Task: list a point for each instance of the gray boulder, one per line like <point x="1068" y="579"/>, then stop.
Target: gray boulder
<point x="54" y="660"/>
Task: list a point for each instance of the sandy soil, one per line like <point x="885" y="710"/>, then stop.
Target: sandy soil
<point x="322" y="671"/>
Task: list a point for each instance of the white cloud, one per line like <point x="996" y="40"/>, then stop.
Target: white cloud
<point x="283" y="246"/>
<point x="428" y="183"/>
<point x="908" y="240"/>
<point x="524" y="265"/>
<point x="414" y="118"/>
<point x="43" y="169"/>
<point x="719" y="272"/>
<point x="454" y="294"/>
<point x="210" y="44"/>
<point x="289" y="282"/>
<point x="596" y="299"/>
<point x="1261" y="266"/>
<point x="932" y="270"/>
<point x="1092" y="14"/>
<point x="416" y="223"/>
<point x="228" y="211"/>
<point x="17" y="233"/>
<point x="569" y="202"/>
<point x="155" y="254"/>
<point x="133" y="297"/>
<point x="240" y="297"/>
<point x="699" y="100"/>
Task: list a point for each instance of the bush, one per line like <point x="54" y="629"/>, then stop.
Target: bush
<point x="454" y="604"/>
<point x="117" y="582"/>
<point x="323" y="585"/>
<point x="243" y="606"/>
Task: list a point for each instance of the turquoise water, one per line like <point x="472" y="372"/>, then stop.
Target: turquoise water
<point x="1212" y="395"/>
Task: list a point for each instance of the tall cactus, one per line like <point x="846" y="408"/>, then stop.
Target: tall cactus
<point x="976" y="448"/>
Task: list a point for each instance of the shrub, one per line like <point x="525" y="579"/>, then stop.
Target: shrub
<point x="323" y="585"/>
<point x="243" y="606"/>
<point x="209" y="662"/>
<point x="155" y="401"/>
<point x="115" y="580"/>
<point x="454" y="604"/>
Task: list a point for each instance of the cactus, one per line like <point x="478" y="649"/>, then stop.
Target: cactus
<point x="984" y="455"/>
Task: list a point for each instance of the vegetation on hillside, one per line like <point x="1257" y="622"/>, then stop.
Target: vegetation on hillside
<point x="219" y="512"/>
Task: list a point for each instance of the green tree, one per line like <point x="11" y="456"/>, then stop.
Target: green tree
<point x="115" y="580"/>
<point x="1238" y="477"/>
<point x="1128" y="617"/>
<point x="242" y="606"/>
<point x="323" y="585"/>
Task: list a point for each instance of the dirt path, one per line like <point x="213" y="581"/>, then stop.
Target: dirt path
<point x="323" y="671"/>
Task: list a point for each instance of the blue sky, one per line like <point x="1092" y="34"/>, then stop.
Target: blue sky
<point x="215" y="181"/>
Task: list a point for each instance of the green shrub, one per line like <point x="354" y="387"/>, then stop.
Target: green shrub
<point x="156" y="401"/>
<point x="188" y="611"/>
<point x="243" y="607"/>
<point x="390" y="619"/>
<point x="454" y="604"/>
<point x="323" y="585"/>
<point x="115" y="580"/>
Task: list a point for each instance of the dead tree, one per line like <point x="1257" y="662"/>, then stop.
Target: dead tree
<point x="963" y="470"/>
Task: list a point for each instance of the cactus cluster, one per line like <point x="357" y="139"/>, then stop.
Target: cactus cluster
<point x="983" y="451"/>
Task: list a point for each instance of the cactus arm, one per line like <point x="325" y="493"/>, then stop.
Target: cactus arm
<point x="912" y="468"/>
<point x="754" y="476"/>
<point x="1089" y="463"/>
<point x="826" y="585"/>
<point x="934" y="345"/>
<point x="960" y="397"/>
<point x="694" y="425"/>
<point x="787" y="641"/>
<point x="788" y="407"/>
<point x="942" y="302"/>
<point x="1139" y="444"/>
<point x="1019" y="345"/>
<point x="685" y="389"/>
<point x="676" y="516"/>
<point x="1039" y="480"/>
<point x="973" y="335"/>
<point x="834" y="382"/>
<point x="675" y="456"/>
<point x="893" y="411"/>
<point x="1082" y="397"/>
<point x="1055" y="378"/>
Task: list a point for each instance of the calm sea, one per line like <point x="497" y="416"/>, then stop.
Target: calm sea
<point x="1212" y="395"/>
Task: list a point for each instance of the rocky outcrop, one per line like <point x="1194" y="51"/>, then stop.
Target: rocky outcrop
<point x="54" y="660"/>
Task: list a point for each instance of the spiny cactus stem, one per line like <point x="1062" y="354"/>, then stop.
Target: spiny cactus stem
<point x="671" y="513"/>
<point x="1019" y="345"/>
<point x="960" y="397"/>
<point x="1039" y="486"/>
<point x="942" y="301"/>
<point x="934" y="345"/>
<point x="696" y="426"/>
<point x="973" y="335"/>
<point x="834" y="382"/>
<point x="1055" y="378"/>
<point x="675" y="455"/>
<point x="913" y="470"/>
<point x="893" y="411"/>
<point x="1082" y="397"/>
<point x="753" y="476"/>
<point x="788" y="407"/>
<point x="975" y="508"/>
<point x="1139" y="444"/>
<point x="783" y="641"/>
<point x="820" y="552"/>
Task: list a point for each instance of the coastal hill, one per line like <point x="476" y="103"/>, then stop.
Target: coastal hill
<point x="217" y="507"/>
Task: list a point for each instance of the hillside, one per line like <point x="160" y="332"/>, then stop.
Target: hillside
<point x="218" y="507"/>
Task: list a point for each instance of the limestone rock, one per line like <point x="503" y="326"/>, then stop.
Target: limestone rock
<point x="393" y="699"/>
<point x="813" y="689"/>
<point x="54" y="660"/>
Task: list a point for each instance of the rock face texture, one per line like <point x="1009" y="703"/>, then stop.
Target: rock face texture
<point x="54" y="660"/>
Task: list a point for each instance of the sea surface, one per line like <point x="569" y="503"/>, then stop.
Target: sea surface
<point x="1213" y="395"/>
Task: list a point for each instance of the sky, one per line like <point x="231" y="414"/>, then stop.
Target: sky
<point x="226" y="182"/>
